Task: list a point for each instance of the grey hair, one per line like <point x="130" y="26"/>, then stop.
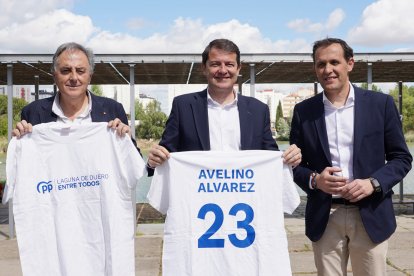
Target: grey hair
<point x="72" y="46"/>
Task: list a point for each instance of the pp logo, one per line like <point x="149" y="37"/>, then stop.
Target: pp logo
<point x="43" y="187"/>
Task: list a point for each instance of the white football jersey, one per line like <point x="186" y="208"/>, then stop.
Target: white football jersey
<point x="224" y="212"/>
<point x="71" y="188"/>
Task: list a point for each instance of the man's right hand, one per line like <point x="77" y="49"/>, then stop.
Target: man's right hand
<point x="22" y="128"/>
<point x="330" y="181"/>
<point x="157" y="155"/>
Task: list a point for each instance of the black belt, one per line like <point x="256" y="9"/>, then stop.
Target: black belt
<point x="343" y="201"/>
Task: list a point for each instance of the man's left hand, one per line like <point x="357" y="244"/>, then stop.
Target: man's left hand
<point x="292" y="156"/>
<point x="357" y="189"/>
<point x="120" y="128"/>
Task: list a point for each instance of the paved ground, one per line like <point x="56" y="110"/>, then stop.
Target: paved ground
<point x="149" y="246"/>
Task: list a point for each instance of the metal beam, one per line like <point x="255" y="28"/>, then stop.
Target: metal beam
<point x="189" y="73"/>
<point x="188" y="58"/>
<point x="119" y="73"/>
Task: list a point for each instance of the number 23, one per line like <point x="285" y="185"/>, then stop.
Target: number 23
<point x="205" y="241"/>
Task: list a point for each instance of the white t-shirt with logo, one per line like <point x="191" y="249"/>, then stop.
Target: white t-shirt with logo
<point x="224" y="212"/>
<point x="71" y="188"/>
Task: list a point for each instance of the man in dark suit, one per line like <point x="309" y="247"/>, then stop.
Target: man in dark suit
<point x="72" y="69"/>
<point x="217" y="118"/>
<point x="354" y="152"/>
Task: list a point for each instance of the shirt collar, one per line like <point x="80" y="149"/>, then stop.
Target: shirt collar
<point x="212" y="102"/>
<point x="57" y="109"/>
<point x="349" y="101"/>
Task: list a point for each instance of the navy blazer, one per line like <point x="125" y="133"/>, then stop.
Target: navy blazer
<point x="380" y="151"/>
<point x="103" y="110"/>
<point x="187" y="126"/>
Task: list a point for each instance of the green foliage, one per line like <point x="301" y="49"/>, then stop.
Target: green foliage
<point x="283" y="129"/>
<point x="18" y="105"/>
<point x="374" y="87"/>
<point x="279" y="114"/>
<point x="407" y="107"/>
<point x="152" y="120"/>
<point x="97" y="90"/>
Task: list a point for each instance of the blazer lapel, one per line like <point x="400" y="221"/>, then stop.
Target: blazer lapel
<point x="200" y="114"/>
<point x="320" y="125"/>
<point x="360" y="122"/>
<point x="246" y="132"/>
<point x="98" y="112"/>
<point x="47" y="115"/>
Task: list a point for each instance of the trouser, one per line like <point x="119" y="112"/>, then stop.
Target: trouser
<point x="345" y="237"/>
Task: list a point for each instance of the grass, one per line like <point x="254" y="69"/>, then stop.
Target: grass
<point x="3" y="143"/>
<point x="145" y="145"/>
<point x="409" y="136"/>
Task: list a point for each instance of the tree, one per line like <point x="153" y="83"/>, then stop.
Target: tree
<point x="283" y="129"/>
<point x="18" y="105"/>
<point x="407" y="106"/>
<point x="152" y="120"/>
<point x="279" y="115"/>
<point x="97" y="90"/>
<point x="374" y="87"/>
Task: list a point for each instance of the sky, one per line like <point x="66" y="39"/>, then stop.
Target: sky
<point x="184" y="26"/>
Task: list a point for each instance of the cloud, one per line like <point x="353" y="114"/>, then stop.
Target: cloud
<point x="45" y="33"/>
<point x="136" y="23"/>
<point x="335" y="18"/>
<point x="42" y="27"/>
<point x="385" y="22"/>
<point x="16" y="12"/>
<point x="191" y="36"/>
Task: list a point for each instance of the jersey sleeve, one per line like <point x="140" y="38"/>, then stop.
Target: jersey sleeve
<point x="11" y="169"/>
<point x="135" y="163"/>
<point x="290" y="195"/>
<point x="158" y="195"/>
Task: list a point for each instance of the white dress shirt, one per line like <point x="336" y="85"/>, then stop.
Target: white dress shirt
<point x="83" y="117"/>
<point x="340" y="129"/>
<point x="224" y="125"/>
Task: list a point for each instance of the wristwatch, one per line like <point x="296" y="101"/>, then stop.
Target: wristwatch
<point x="313" y="180"/>
<point x="375" y="184"/>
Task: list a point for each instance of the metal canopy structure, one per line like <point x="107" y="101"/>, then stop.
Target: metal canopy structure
<point x="186" y="68"/>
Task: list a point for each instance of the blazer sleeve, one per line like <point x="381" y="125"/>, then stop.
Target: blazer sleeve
<point x="170" y="137"/>
<point x="302" y="172"/>
<point x="269" y="142"/>
<point x="397" y="155"/>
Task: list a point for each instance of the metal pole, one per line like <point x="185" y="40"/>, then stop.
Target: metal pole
<point x="36" y="77"/>
<point x="315" y="88"/>
<point x="9" y="134"/>
<point x="132" y="97"/>
<point x="400" y="85"/>
<point x="369" y="77"/>
<point x="239" y="79"/>
<point x="132" y="118"/>
<point x="252" y="80"/>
